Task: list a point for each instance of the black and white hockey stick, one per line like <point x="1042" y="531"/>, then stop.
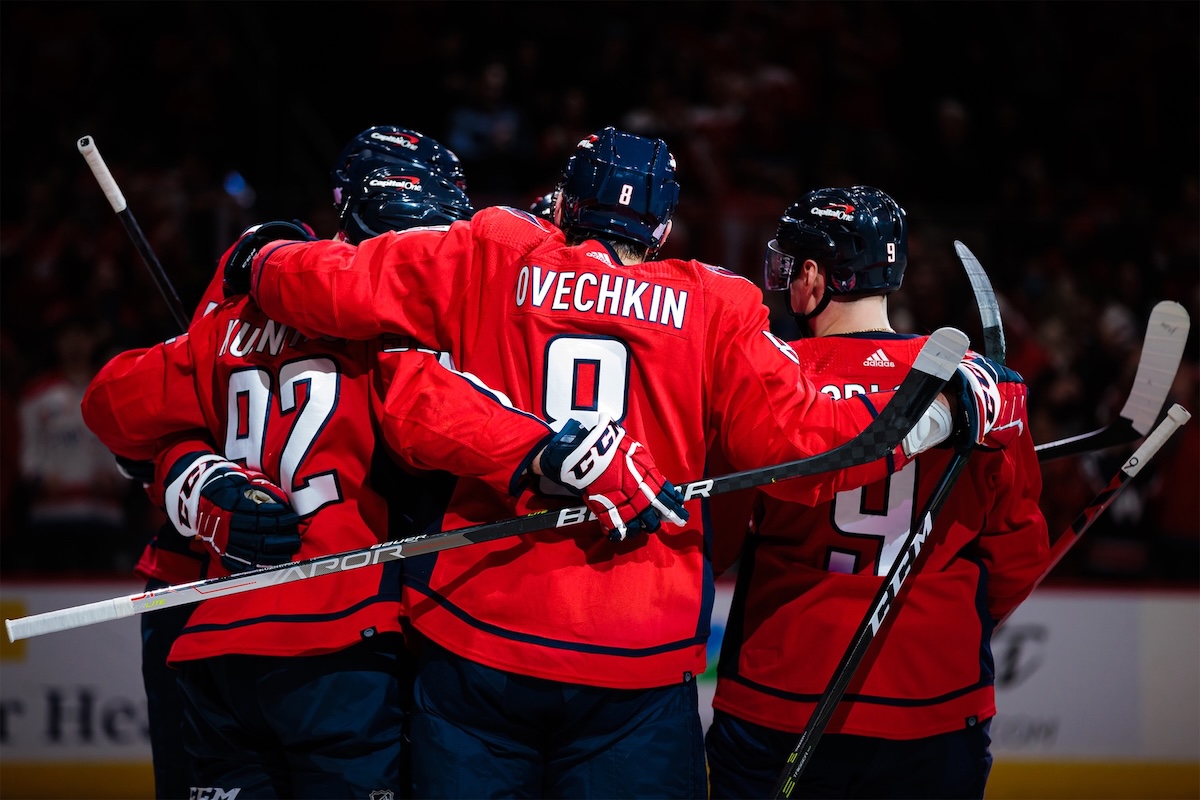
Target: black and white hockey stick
<point x="909" y="561"/>
<point x="1176" y="417"/>
<point x="87" y="147"/>
<point x="886" y="600"/>
<point x="934" y="366"/>
<point x="1162" y="350"/>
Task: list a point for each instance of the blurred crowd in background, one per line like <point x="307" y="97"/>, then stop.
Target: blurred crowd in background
<point x="1059" y="141"/>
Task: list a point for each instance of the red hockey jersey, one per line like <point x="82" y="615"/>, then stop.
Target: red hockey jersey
<point x="169" y="556"/>
<point x="307" y="413"/>
<point x="677" y="351"/>
<point x="808" y="575"/>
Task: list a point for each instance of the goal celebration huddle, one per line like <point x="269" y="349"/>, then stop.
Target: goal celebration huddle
<point x="449" y="493"/>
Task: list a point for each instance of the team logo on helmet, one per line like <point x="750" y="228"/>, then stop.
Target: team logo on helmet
<point x="410" y="182"/>
<point x="841" y="211"/>
<point x="398" y="139"/>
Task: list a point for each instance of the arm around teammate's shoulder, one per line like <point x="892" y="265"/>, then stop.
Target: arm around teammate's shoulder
<point x="768" y="411"/>
<point x="397" y="282"/>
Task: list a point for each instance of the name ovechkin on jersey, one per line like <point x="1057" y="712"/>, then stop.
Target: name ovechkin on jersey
<point x="613" y="295"/>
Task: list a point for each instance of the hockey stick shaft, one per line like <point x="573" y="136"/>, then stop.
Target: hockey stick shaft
<point x="1176" y="417"/>
<point x="108" y="185"/>
<point x="934" y="366"/>
<point x="1162" y="350"/>
<point x="911" y="556"/>
<point x="886" y="600"/>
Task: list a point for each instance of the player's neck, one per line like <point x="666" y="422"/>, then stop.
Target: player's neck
<point x="864" y="315"/>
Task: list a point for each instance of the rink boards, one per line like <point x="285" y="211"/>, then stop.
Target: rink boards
<point x="1098" y="691"/>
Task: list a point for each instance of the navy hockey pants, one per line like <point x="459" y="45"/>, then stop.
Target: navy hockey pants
<point x="164" y="704"/>
<point x="481" y="732"/>
<point x="327" y="726"/>
<point x="745" y="760"/>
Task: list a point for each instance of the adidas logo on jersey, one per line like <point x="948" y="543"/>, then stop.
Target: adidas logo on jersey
<point x="878" y="359"/>
<point x="599" y="256"/>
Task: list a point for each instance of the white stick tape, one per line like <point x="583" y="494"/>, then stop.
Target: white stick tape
<point x="87" y="146"/>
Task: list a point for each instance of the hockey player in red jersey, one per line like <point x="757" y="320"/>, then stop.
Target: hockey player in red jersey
<point x="914" y="721"/>
<point x="170" y="558"/>
<point x="561" y="665"/>
<point x="319" y="662"/>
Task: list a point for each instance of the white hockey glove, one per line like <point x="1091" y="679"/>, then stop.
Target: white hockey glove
<point x="615" y="476"/>
<point x="243" y="518"/>
<point x="991" y="403"/>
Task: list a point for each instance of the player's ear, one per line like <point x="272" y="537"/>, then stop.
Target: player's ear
<point x="666" y="233"/>
<point x="807" y="287"/>
<point x="810" y="278"/>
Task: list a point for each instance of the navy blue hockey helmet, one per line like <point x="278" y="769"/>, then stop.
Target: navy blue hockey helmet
<point x="620" y="185"/>
<point x="384" y="145"/>
<point x="398" y="197"/>
<point x="859" y="235"/>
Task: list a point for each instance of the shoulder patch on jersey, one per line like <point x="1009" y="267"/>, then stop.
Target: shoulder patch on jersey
<point x="527" y="217"/>
<point x="728" y="273"/>
<point x="783" y="346"/>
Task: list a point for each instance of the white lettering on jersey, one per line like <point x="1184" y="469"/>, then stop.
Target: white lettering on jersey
<point x="633" y="298"/>
<point x="564" y="288"/>
<point x="848" y="390"/>
<point x="612" y="295"/>
<point x="581" y="302"/>
<point x="241" y="338"/>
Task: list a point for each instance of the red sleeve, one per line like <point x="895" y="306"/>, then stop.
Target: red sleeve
<point x="337" y="289"/>
<point x="141" y="400"/>
<point x="772" y="413"/>
<point x="436" y="418"/>
<point x="1014" y="544"/>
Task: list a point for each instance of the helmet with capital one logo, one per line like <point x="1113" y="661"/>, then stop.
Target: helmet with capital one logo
<point x="399" y="197"/>
<point x="388" y="145"/>
<point x="620" y="185"/>
<point x="858" y="234"/>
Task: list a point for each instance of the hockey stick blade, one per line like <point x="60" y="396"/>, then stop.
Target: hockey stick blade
<point x="994" y="346"/>
<point x="934" y="365"/>
<point x="1177" y="417"/>
<point x="1162" y="350"/>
